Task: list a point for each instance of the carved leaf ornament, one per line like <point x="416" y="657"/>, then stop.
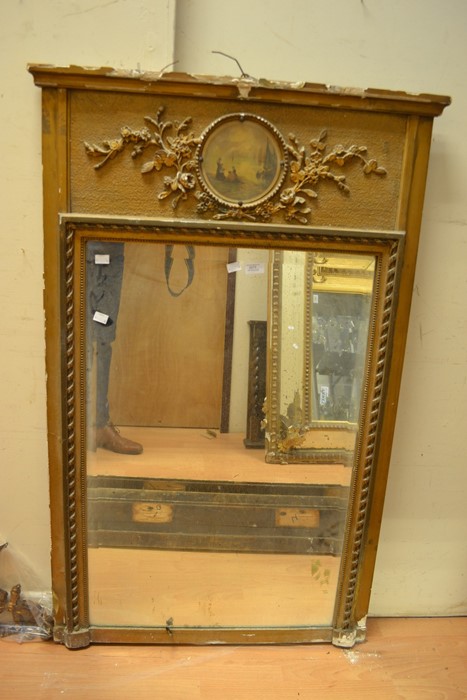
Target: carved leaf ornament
<point x="175" y="152"/>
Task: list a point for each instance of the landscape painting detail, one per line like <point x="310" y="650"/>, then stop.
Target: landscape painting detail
<point x="241" y="161"/>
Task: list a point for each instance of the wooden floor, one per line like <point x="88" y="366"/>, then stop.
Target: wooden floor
<point x="210" y="589"/>
<point x="190" y="453"/>
<point x="403" y="659"/>
<point x="232" y="589"/>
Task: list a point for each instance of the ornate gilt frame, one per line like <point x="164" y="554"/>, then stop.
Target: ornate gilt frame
<point x="187" y="210"/>
<point x="388" y="252"/>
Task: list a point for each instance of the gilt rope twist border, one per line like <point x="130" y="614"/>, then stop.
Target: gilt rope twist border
<point x="70" y="428"/>
<point x="371" y="448"/>
<point x="272" y="400"/>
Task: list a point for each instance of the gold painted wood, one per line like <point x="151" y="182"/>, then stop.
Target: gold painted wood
<point x="377" y="147"/>
<point x="313" y="94"/>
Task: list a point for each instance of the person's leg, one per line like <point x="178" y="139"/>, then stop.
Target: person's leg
<point x="104" y="283"/>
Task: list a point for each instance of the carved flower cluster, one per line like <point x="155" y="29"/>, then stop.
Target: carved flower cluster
<point x="174" y="148"/>
<point x="292" y="440"/>
<point x="111" y="148"/>
<point x="307" y="170"/>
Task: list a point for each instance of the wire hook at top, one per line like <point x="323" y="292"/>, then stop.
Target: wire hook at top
<point x="232" y="58"/>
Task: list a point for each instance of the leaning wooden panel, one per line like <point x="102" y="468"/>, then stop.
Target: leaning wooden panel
<point x="183" y="392"/>
<point x="313" y="198"/>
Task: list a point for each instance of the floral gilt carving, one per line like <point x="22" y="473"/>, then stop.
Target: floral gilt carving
<point x="307" y="170"/>
<point x="174" y="149"/>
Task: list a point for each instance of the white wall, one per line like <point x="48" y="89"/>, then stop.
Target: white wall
<point x="124" y="34"/>
<point x="412" y="45"/>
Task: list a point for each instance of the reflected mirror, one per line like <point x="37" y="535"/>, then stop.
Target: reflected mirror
<point x="322" y="309"/>
<point x="223" y="400"/>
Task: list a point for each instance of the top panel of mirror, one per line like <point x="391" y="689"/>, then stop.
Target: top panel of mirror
<point x="243" y="150"/>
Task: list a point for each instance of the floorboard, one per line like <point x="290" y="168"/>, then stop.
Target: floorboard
<point x="408" y="659"/>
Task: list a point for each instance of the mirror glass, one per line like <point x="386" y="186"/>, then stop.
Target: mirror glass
<point x="322" y="311"/>
<point x="210" y="503"/>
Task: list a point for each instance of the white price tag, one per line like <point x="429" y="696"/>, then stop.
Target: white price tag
<point x="101" y="259"/>
<point x="99" y="317"/>
<point x="323" y="395"/>
<point x="234" y="267"/>
<point x="254" y="269"/>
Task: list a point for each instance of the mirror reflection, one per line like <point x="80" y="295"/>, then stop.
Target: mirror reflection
<point x="206" y="505"/>
<point x="322" y="310"/>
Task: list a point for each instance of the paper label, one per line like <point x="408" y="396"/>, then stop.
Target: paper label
<point x="254" y="269"/>
<point x="234" y="267"/>
<point x="152" y="512"/>
<point x="101" y="259"/>
<point x="323" y="395"/>
<point x="297" y="517"/>
<point x="99" y="317"/>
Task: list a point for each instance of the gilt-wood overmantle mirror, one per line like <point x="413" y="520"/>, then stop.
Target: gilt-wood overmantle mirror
<point x="228" y="274"/>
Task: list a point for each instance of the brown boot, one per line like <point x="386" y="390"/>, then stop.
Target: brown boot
<point x="109" y="438"/>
